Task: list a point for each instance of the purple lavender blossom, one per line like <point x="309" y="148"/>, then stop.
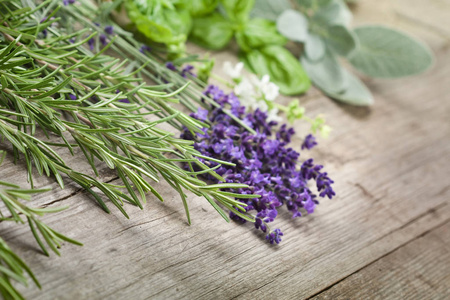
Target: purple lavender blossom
<point x="103" y="40"/>
<point x="109" y="29"/>
<point x="72" y="97"/>
<point x="309" y="142"/>
<point x="187" y="70"/>
<point x="67" y="2"/>
<point x="171" y="66"/>
<point x="267" y="165"/>
<point x="145" y="48"/>
<point x="91" y="43"/>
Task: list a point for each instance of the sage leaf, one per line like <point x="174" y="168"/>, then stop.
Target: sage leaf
<point x="312" y="3"/>
<point x="334" y="13"/>
<point x="340" y="40"/>
<point x="356" y="93"/>
<point x="212" y="31"/>
<point x="258" y="33"/>
<point x="314" y="47"/>
<point x="269" y="9"/>
<point x="388" y="53"/>
<point x="282" y="67"/>
<point x="293" y="25"/>
<point x="326" y="74"/>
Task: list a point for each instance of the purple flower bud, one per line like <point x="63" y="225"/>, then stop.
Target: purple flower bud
<point x="103" y="39"/>
<point x="91" y="44"/>
<point x="109" y="29"/>
<point x="145" y="48"/>
<point x="171" y="66"/>
<point x="309" y="142"/>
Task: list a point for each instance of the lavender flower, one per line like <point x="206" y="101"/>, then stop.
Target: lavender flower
<point x="267" y="165"/>
<point x="187" y="71"/>
<point x="145" y="48"/>
<point x="91" y="43"/>
<point x="171" y="66"/>
<point x="109" y="29"/>
<point x="103" y="40"/>
<point x="309" y="142"/>
<point x="67" y="2"/>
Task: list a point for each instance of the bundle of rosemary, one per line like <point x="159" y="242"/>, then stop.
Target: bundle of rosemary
<point x="57" y="95"/>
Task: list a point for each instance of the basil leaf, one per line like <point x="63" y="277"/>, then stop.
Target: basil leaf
<point x="212" y="32"/>
<point x="326" y="74"/>
<point x="160" y="23"/>
<point x="293" y="25"/>
<point x="314" y="47"/>
<point x="199" y="8"/>
<point x="388" y="53"/>
<point x="355" y="94"/>
<point x="238" y="10"/>
<point x="257" y="33"/>
<point x="269" y="9"/>
<point x="284" y="69"/>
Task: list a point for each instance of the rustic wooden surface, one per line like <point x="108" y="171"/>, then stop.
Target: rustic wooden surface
<point x="386" y="234"/>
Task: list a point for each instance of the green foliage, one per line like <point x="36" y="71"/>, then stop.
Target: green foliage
<point x="199" y="8"/>
<point x="326" y="73"/>
<point x="284" y="69"/>
<point x="213" y="31"/>
<point x="269" y="9"/>
<point x="162" y="21"/>
<point x="11" y="266"/>
<point x="388" y="53"/>
<point x="258" y="33"/>
<point x="238" y="10"/>
<point x="322" y="28"/>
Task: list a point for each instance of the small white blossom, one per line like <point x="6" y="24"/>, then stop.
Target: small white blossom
<point x="272" y="115"/>
<point x="268" y="90"/>
<point x="233" y="72"/>
<point x="246" y="92"/>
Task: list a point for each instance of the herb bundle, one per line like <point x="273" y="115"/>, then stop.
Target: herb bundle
<point x="262" y="27"/>
<point x="56" y="96"/>
<point x="266" y="164"/>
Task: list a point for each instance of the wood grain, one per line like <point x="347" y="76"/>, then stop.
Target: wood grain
<point x="419" y="270"/>
<point x="391" y="166"/>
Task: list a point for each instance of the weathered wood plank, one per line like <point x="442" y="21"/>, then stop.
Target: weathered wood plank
<point x="391" y="167"/>
<point x="418" y="270"/>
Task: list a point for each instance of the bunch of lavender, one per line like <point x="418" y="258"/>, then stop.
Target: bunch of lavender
<point x="265" y="163"/>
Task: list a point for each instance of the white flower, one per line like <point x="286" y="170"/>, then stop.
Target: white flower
<point x="246" y="92"/>
<point x="272" y="115"/>
<point x="233" y="72"/>
<point x="261" y="105"/>
<point x="269" y="90"/>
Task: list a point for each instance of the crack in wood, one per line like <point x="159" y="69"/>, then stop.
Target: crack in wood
<point x="384" y="255"/>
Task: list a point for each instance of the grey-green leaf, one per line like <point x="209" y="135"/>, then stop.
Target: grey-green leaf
<point x="326" y="73"/>
<point x="335" y="13"/>
<point x="293" y="25"/>
<point x="269" y="9"/>
<point x="314" y="47"/>
<point x="388" y="53"/>
<point x="340" y="40"/>
<point x="355" y="94"/>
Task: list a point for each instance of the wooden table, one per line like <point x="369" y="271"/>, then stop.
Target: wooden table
<point x="386" y="234"/>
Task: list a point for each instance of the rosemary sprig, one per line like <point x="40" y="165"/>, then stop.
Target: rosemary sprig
<point x="12" y="267"/>
<point x="39" y="92"/>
